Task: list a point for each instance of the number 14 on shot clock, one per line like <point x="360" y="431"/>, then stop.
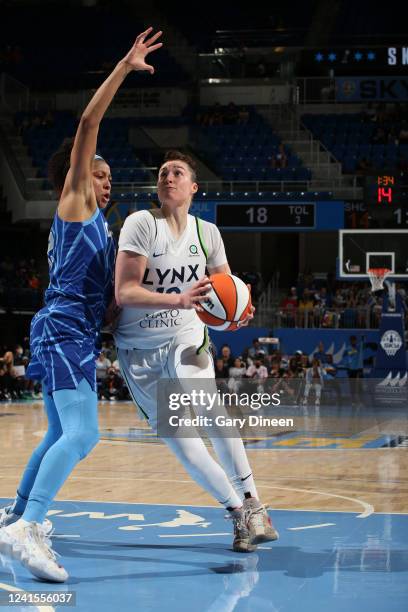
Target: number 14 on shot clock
<point x="386" y="201"/>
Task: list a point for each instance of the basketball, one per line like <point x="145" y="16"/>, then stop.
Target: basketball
<point x="228" y="303"/>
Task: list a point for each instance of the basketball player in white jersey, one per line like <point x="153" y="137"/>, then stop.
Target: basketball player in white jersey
<point x="160" y="281"/>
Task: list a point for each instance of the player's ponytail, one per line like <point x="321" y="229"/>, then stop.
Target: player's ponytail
<point x="59" y="164"/>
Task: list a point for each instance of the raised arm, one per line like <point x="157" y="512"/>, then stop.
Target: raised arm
<point x="78" y="192"/>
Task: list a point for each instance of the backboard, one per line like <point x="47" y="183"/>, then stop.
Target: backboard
<point x="360" y="250"/>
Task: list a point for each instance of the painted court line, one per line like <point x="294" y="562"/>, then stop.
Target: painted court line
<point x="194" y="535"/>
<point x="368" y="508"/>
<point x="311" y="526"/>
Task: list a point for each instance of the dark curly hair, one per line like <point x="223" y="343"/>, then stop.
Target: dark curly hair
<point x="59" y="164"/>
<point x="174" y="155"/>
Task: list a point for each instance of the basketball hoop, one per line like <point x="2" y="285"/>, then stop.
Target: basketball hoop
<point x="377" y="277"/>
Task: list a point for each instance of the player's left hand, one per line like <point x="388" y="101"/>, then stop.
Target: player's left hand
<point x="135" y="59"/>
<point x="111" y="316"/>
<point x="245" y="322"/>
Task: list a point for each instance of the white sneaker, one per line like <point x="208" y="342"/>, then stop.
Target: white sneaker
<point x="28" y="543"/>
<point x="7" y="517"/>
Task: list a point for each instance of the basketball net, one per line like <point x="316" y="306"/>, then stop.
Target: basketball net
<point x="378" y="278"/>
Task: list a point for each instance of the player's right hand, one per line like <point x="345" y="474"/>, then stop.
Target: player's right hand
<point x="191" y="298"/>
<point x="135" y="59"/>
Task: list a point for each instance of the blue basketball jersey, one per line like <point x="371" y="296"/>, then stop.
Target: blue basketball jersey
<point x="65" y="333"/>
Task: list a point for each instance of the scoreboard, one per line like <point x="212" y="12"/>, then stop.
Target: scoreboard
<point x="386" y="202"/>
<point x="266" y="217"/>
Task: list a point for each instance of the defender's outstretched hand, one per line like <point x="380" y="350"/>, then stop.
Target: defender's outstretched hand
<point x="135" y="59"/>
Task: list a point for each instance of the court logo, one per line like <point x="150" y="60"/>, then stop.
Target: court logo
<point x="391" y="342"/>
<point x="193" y="250"/>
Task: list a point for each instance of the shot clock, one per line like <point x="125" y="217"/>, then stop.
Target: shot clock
<point x="386" y="202"/>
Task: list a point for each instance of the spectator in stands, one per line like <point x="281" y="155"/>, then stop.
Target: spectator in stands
<point x="305" y="363"/>
<point x="279" y="159"/>
<point x="276" y="370"/>
<point x="12" y="381"/>
<point x="289" y="306"/>
<point x="226" y="356"/>
<point x="329" y="375"/>
<point x="339" y="300"/>
<point x="282" y="381"/>
<point x="109" y="349"/>
<point x="258" y="372"/>
<point x="320" y="354"/>
<point x="4" y="391"/>
<point x="102" y="363"/>
<point x="255" y="352"/>
<point x="112" y="386"/>
<point x="314" y="379"/>
<point x="236" y="374"/>
<point x="354" y="362"/>
<point x="295" y="366"/>
<point x="376" y="311"/>
<point x="305" y="309"/>
<point x="34" y="281"/>
<point x="20" y="363"/>
<point x="221" y="375"/>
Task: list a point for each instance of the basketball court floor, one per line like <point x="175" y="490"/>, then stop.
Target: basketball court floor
<point x="135" y="532"/>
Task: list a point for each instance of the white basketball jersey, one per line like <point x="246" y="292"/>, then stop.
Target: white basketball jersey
<point x="173" y="265"/>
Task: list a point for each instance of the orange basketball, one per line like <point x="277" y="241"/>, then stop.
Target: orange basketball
<point x="228" y="302"/>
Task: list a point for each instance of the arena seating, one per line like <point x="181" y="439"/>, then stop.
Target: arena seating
<point x="44" y="64"/>
<point x="245" y="152"/>
<point x="349" y="138"/>
<point x="44" y="139"/>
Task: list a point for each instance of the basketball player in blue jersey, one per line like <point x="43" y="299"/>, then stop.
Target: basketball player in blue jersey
<point x="160" y="282"/>
<point x="64" y="334"/>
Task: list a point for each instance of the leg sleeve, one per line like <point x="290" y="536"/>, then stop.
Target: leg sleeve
<point x="77" y="411"/>
<point x="53" y="434"/>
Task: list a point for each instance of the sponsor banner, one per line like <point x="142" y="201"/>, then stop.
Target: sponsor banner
<point x="385" y="89"/>
<point x="391" y="354"/>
